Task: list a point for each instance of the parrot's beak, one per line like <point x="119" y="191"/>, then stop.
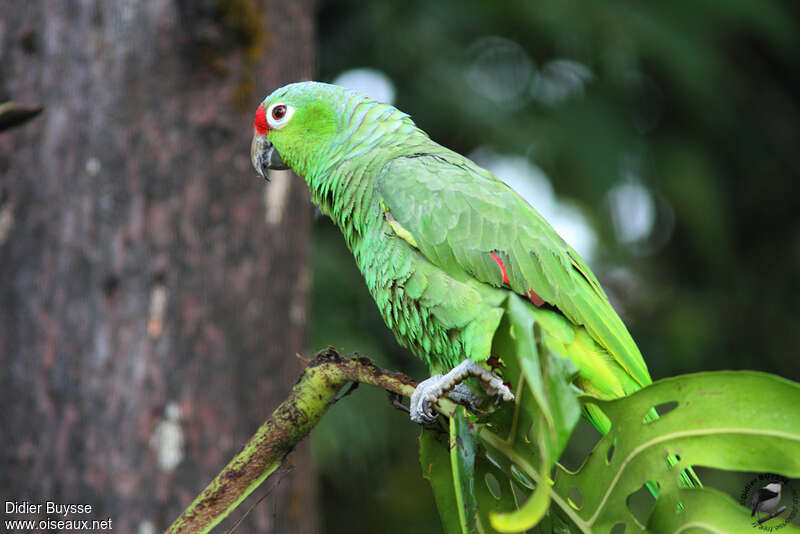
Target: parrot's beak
<point x="264" y="156"/>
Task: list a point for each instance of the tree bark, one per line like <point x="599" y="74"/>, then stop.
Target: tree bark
<point x="150" y="286"/>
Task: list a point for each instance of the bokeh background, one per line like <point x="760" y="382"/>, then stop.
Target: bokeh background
<point x="661" y="139"/>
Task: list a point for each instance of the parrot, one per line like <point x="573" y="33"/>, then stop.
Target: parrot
<point x="450" y="254"/>
<point x="441" y="243"/>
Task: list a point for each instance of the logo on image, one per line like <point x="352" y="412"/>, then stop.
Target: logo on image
<point x="772" y="501"/>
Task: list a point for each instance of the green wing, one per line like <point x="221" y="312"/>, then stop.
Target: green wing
<point x="470" y="224"/>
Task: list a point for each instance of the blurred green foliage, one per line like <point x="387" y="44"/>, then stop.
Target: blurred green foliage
<point x="697" y="99"/>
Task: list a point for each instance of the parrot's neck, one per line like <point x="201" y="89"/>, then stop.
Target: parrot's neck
<point x="347" y="197"/>
<point x="343" y="182"/>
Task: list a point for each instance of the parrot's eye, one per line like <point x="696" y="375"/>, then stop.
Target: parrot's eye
<point x="278" y="115"/>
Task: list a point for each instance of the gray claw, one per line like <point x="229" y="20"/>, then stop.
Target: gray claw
<point x="429" y="391"/>
<point x="423" y="399"/>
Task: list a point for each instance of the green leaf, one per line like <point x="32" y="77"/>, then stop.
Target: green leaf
<point x="546" y="404"/>
<point x="706" y="510"/>
<point x="562" y="398"/>
<point x="515" y="343"/>
<point x="547" y="375"/>
<point x="494" y="487"/>
<point x="434" y="458"/>
<point x="741" y="421"/>
<point x="491" y="479"/>
<point x="462" y="460"/>
<point x="526" y="516"/>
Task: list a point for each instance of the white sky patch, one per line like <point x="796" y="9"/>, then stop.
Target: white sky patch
<point x="534" y="186"/>
<point x="500" y="70"/>
<point x="370" y="82"/>
<point x="633" y="211"/>
<point x="572" y="225"/>
<point x="559" y="80"/>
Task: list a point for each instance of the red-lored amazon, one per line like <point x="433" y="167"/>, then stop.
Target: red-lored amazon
<point x="442" y="243"/>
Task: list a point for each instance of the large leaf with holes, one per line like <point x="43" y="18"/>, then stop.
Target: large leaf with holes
<point x="741" y="421"/>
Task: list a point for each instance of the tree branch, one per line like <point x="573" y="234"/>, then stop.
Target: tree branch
<point x="776" y="513"/>
<point x="13" y="114"/>
<point x="308" y="401"/>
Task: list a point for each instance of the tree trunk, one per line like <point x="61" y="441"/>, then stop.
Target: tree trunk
<point x="150" y="286"/>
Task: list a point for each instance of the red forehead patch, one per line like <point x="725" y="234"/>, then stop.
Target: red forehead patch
<point x="260" y="123"/>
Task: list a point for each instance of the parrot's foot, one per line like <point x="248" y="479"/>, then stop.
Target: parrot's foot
<point x="429" y="391"/>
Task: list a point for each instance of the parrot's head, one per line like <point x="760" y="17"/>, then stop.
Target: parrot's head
<point x="293" y="125"/>
<point x="308" y="126"/>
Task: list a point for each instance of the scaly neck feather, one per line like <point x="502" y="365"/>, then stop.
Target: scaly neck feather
<point x="343" y="178"/>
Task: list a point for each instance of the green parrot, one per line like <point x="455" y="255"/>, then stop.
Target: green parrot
<point x="442" y="245"/>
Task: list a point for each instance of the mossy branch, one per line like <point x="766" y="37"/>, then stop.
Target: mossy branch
<point x="310" y="398"/>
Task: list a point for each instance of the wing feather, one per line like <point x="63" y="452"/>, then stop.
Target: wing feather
<point x="459" y="214"/>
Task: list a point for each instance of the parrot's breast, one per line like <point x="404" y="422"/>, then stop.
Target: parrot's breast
<point x="440" y="319"/>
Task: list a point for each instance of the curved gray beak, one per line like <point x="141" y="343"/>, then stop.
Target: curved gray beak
<point x="264" y="156"/>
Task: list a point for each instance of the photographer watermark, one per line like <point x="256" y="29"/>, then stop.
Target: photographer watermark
<point x="772" y="501"/>
<point x="61" y="517"/>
